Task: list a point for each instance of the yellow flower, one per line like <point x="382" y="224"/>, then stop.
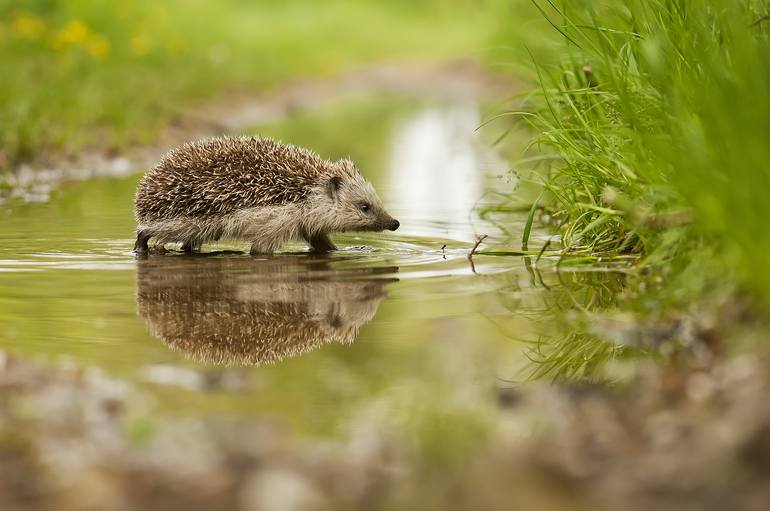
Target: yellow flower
<point x="75" y="33"/>
<point x="26" y="25"/>
<point x="140" y="45"/>
<point x="98" y="46"/>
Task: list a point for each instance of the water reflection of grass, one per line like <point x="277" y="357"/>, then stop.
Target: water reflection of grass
<point x="573" y="356"/>
<point x="560" y="305"/>
<point x="590" y="324"/>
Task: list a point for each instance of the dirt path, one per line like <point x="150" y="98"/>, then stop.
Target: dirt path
<point x="235" y="113"/>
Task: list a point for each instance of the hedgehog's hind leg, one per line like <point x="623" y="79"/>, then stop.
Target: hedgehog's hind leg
<point x="142" y="237"/>
<point x="260" y="247"/>
<point x="320" y="243"/>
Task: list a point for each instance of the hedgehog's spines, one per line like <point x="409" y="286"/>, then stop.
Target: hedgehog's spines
<point x="216" y="176"/>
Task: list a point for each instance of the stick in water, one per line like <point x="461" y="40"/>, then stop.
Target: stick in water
<point x="476" y="246"/>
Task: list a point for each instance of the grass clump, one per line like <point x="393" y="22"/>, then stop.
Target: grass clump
<point x="654" y="121"/>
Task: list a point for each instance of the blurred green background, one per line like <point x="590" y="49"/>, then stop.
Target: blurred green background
<point x="98" y="74"/>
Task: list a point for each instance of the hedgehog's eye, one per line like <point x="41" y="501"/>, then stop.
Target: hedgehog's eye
<point x="365" y="207"/>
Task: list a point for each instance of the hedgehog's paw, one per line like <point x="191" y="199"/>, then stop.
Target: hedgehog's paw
<point x="140" y="246"/>
<point x="321" y="243"/>
<point x="191" y="246"/>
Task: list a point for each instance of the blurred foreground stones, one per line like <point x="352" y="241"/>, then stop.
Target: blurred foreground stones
<point x="75" y="439"/>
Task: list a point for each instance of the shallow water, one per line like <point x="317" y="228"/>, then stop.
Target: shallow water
<point x="398" y="326"/>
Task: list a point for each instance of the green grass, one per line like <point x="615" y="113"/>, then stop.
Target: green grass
<point x="652" y="120"/>
<point x="651" y="146"/>
<point x="97" y="74"/>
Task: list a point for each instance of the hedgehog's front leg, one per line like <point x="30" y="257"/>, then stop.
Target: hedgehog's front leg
<point x="141" y="242"/>
<point x="321" y="243"/>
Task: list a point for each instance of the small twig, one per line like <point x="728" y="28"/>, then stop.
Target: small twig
<point x="476" y="246"/>
<point x="760" y="20"/>
<point x="443" y="248"/>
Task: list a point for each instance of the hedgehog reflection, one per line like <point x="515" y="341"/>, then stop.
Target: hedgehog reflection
<point x="246" y="312"/>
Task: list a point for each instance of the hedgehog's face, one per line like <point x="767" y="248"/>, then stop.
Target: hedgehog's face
<point x="355" y="203"/>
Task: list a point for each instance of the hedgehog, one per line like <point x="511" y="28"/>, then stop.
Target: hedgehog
<point x="256" y="189"/>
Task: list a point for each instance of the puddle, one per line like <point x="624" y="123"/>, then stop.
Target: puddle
<point x="398" y="318"/>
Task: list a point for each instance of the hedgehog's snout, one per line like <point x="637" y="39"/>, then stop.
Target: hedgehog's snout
<point x="394" y="225"/>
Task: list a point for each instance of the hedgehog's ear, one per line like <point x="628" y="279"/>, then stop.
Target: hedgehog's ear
<point x="333" y="186"/>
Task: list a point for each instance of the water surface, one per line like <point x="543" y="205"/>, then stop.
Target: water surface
<point x="400" y="325"/>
